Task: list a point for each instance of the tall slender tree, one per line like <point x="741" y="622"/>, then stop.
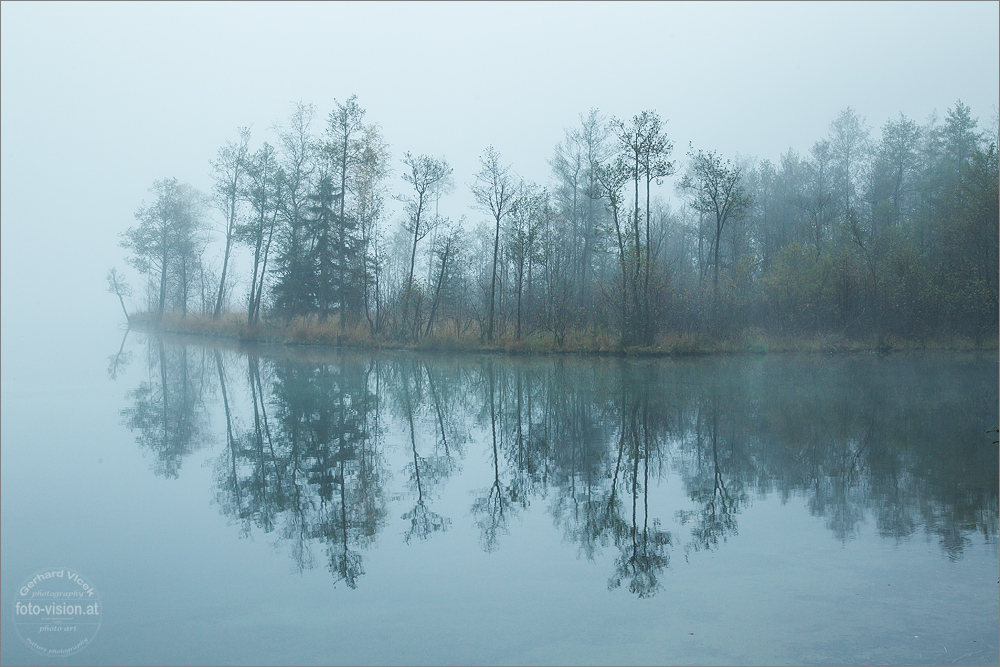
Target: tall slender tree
<point x="345" y="149"/>
<point x="366" y="183"/>
<point x="849" y="146"/>
<point x="716" y="188"/>
<point x="263" y="193"/>
<point x="165" y="233"/>
<point x="229" y="172"/>
<point x="422" y="173"/>
<point x="296" y="178"/>
<point x="496" y="193"/>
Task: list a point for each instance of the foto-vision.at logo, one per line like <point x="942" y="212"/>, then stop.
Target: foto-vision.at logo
<point x="57" y="611"/>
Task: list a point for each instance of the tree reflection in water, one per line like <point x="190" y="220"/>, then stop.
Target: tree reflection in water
<point x="493" y="507"/>
<point x="425" y="472"/>
<point x="901" y="440"/>
<point x="168" y="410"/>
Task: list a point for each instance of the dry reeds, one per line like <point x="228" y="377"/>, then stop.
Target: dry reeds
<point x="311" y="330"/>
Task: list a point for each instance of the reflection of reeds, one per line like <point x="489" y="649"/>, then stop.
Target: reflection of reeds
<point x="310" y="330"/>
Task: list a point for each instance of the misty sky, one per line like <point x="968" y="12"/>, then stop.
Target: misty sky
<point x="100" y="100"/>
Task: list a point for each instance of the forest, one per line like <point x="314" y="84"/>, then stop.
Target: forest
<point x="874" y="236"/>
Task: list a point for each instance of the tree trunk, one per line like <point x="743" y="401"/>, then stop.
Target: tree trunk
<point x="715" y="285"/>
<point x="184" y="287"/>
<point x="225" y="257"/>
<point x="341" y="223"/>
<point x="493" y="282"/>
<point x="437" y="291"/>
<point x="163" y="277"/>
<point x="263" y="268"/>
<point x="122" y="302"/>
<point x="648" y="325"/>
<point x="637" y="273"/>
<point x="256" y="266"/>
<point x="413" y="261"/>
<point x="520" y="281"/>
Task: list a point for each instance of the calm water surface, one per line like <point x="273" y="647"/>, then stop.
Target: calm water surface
<point x="308" y="507"/>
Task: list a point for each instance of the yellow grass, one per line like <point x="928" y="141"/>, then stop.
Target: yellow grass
<point x="311" y="330"/>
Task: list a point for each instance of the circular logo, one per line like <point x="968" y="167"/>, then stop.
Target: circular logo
<point x="57" y="611"/>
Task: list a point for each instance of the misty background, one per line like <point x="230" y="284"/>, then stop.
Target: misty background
<point x="99" y="100"/>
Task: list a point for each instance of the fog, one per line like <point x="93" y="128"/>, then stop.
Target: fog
<point x="100" y="100"/>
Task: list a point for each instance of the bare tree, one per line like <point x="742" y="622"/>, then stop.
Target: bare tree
<point x="654" y="164"/>
<point x="296" y="176"/>
<point x="345" y="149"/>
<point x="522" y="241"/>
<point x="189" y="241"/>
<point x="163" y="235"/>
<point x="447" y="246"/>
<point x="445" y="186"/>
<point x="716" y="188"/>
<point x="644" y="152"/>
<point x="897" y="157"/>
<point x="496" y="193"/>
<point x="422" y="175"/>
<point x="611" y="180"/>
<point x="817" y="199"/>
<point x="229" y="171"/>
<point x="120" y="288"/>
<point x="366" y="184"/>
<point x="849" y="145"/>
<point x="263" y="193"/>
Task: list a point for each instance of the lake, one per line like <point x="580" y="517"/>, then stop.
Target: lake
<point x="302" y="506"/>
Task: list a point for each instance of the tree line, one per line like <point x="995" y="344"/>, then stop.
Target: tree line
<point x="892" y="233"/>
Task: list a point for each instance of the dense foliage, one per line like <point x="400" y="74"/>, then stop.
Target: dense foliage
<point x="865" y="235"/>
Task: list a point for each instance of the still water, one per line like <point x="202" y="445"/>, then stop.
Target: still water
<point x="305" y="507"/>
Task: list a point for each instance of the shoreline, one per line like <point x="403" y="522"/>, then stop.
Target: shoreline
<point x="310" y="333"/>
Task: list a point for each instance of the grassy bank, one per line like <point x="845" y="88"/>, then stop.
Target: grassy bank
<point x="311" y="331"/>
